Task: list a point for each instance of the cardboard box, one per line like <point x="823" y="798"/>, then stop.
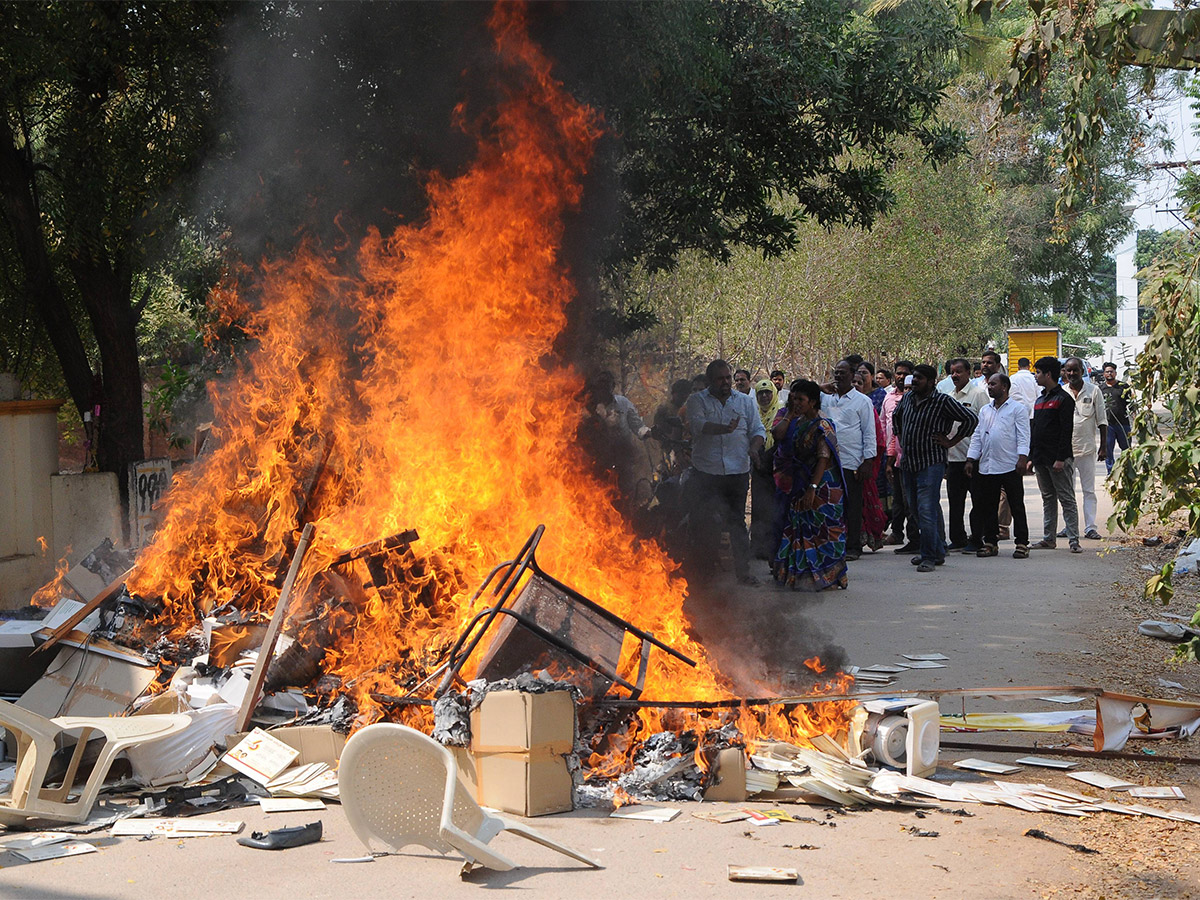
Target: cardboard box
<point x="729" y="784"/>
<point x="519" y="743"/>
<point x="315" y="743"/>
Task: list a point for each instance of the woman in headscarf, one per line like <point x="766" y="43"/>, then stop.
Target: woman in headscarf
<point x="762" y="478"/>
<point x="808" y="474"/>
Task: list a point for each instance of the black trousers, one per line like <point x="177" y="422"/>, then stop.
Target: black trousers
<point x="854" y="500"/>
<point x="762" y="514"/>
<point x="721" y="506"/>
<point x="957" y="487"/>
<point x="987" y="495"/>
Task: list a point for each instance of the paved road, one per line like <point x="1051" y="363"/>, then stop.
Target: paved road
<point x="999" y="620"/>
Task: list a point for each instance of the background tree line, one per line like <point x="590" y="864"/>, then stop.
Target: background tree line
<point x="779" y="181"/>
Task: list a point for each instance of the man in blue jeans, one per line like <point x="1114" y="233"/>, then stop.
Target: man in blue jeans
<point x="923" y="421"/>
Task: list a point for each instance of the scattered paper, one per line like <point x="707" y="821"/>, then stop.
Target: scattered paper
<point x="1047" y="763"/>
<point x="887" y="670"/>
<point x="920" y="657"/>
<point x="1063" y="698"/>
<point x="289" y="804"/>
<point x="55" y="851"/>
<point x="1157" y="793"/>
<point x="984" y="765"/>
<point x="260" y="756"/>
<point x="772" y="874"/>
<point x="922" y="664"/>
<point x="1100" y="780"/>
<point x="645" y="813"/>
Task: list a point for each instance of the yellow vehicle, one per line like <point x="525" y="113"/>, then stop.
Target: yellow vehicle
<point x="1032" y="343"/>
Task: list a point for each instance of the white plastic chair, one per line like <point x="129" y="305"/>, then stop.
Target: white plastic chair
<point x="401" y="787"/>
<point x="36" y="738"/>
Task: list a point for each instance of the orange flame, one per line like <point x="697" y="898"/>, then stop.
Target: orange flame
<point x="58" y="587"/>
<point x="418" y="388"/>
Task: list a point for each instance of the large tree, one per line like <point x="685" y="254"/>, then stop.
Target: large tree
<point x="105" y="114"/>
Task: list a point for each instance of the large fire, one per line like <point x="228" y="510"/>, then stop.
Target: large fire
<point x="419" y="389"/>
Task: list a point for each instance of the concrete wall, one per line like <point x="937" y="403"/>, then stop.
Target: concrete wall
<point x="86" y="510"/>
<point x="28" y="457"/>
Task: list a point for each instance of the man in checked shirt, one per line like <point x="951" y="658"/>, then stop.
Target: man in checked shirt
<point x="922" y="422"/>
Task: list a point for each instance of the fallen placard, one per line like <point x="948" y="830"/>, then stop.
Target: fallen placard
<point x="1046" y="763"/>
<point x="984" y="765"/>
<point x="38" y="839"/>
<point x="770" y="874"/>
<point x="289" y="804"/>
<point x="175" y="827"/>
<point x="1166" y="792"/>
<point x="1100" y="780"/>
<point x="658" y="814"/>
<point x="55" y="851"/>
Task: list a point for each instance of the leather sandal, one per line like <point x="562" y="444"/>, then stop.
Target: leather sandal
<point x="987" y="550"/>
<point x="1022" y="552"/>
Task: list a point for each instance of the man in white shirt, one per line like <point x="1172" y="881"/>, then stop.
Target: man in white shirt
<point x="958" y="483"/>
<point x="1024" y="386"/>
<point x="725" y="429"/>
<point x="1088" y="437"/>
<point x="853" y="417"/>
<point x="989" y="364"/>
<point x="997" y="458"/>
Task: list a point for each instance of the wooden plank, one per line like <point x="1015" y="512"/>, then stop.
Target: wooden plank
<point x="250" y="701"/>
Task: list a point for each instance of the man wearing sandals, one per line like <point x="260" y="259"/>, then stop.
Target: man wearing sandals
<point x="999" y="453"/>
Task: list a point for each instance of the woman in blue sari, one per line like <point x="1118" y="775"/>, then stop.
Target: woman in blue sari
<point x="808" y="476"/>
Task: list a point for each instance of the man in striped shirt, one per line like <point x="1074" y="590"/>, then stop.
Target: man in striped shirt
<point x="923" y="421"/>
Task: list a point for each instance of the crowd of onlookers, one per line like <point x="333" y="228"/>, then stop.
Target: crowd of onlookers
<point x="855" y="462"/>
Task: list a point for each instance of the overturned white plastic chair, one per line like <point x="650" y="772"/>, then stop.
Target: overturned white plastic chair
<point x="400" y="787"/>
<point x="36" y="739"/>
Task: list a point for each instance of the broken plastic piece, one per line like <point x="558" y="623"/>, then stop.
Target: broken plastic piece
<point x="283" y="838"/>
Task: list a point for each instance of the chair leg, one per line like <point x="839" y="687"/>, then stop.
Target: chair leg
<point x="537" y="837"/>
<point x="474" y="850"/>
<point x="63" y="791"/>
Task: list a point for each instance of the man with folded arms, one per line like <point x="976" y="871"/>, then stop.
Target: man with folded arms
<point x="997" y="458"/>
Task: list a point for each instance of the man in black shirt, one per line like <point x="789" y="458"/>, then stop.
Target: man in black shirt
<point x="1116" y="402"/>
<point x="1050" y="454"/>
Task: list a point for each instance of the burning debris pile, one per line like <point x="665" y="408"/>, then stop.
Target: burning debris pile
<point x="366" y="409"/>
<point x="334" y="557"/>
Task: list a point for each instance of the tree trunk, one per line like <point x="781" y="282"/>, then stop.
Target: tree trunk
<point x="107" y="296"/>
<point x="24" y="221"/>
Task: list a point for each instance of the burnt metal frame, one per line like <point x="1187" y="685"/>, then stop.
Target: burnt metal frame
<point x="524" y="561"/>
